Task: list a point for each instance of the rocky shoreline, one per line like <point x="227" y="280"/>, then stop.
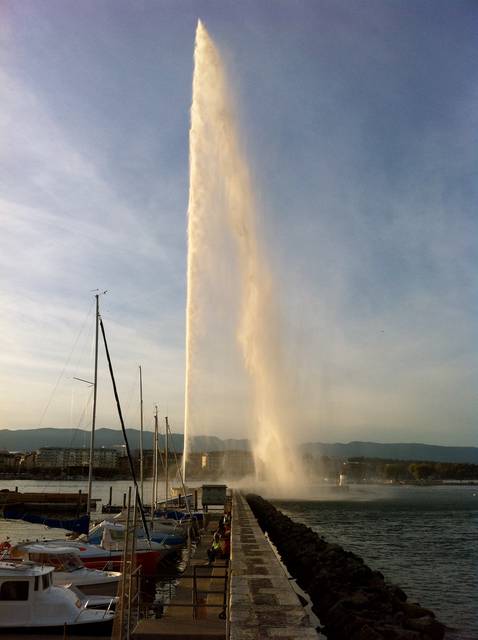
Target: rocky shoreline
<point x="352" y="601"/>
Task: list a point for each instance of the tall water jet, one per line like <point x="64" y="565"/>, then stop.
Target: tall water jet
<point x="220" y="193"/>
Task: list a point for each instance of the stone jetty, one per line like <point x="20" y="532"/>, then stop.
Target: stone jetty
<point x="352" y="601"/>
<point x="262" y="602"/>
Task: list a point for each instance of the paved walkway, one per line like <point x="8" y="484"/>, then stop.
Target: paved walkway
<point x="177" y="621"/>
<point x="262" y="602"/>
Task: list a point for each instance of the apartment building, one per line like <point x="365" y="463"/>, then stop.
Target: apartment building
<point x="62" y="458"/>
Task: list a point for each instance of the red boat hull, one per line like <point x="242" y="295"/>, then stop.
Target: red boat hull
<point x="113" y="561"/>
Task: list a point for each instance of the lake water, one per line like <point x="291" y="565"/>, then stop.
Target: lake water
<point x="19" y="531"/>
<point x="425" y="539"/>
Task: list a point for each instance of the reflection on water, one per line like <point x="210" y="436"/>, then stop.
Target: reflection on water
<point x="157" y="592"/>
<point x="422" y="538"/>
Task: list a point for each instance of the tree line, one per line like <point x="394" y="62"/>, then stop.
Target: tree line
<point x="408" y="470"/>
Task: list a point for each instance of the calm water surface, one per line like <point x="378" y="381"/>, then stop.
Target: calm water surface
<point x="425" y="539"/>
<point x="18" y="530"/>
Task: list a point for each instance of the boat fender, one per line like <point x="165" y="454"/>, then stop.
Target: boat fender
<point x="5" y="545"/>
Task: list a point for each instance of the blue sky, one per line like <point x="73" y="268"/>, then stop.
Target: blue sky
<point x="359" y="121"/>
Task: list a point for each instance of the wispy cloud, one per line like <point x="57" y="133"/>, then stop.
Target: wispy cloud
<point x="358" y="122"/>
<point x="64" y="232"/>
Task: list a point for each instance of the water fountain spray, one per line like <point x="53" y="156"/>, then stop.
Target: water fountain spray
<point x="221" y="190"/>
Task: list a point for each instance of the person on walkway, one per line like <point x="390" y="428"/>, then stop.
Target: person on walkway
<point x="226" y="544"/>
<point x="215" y="548"/>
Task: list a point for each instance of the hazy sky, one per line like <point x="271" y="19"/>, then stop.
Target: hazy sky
<point x="360" y="124"/>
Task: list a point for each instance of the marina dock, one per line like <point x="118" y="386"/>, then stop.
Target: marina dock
<point x="261" y="602"/>
<point x="247" y="596"/>
<point x="198" y="601"/>
<point x="58" y="500"/>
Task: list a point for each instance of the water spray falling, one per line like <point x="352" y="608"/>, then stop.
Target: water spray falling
<point x="221" y="192"/>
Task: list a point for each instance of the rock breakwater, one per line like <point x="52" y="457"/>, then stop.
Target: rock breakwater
<point x="352" y="601"/>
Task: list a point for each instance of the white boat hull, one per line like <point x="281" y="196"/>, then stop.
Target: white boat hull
<point x="30" y="604"/>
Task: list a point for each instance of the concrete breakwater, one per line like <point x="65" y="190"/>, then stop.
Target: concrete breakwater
<point x="262" y="604"/>
<point x="352" y="601"/>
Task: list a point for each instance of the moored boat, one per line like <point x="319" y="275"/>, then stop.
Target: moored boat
<point x="30" y="603"/>
<point x="96" y="557"/>
<point x="69" y="569"/>
<point x="158" y="524"/>
<point x="108" y="554"/>
<point x="109" y="533"/>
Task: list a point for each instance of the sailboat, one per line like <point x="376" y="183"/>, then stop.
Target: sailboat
<point x="106" y="553"/>
<point x="170" y="533"/>
<point x="167" y="511"/>
<point x="109" y="538"/>
<point x="109" y="549"/>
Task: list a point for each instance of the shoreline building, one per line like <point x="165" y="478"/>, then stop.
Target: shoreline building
<point x="62" y="458"/>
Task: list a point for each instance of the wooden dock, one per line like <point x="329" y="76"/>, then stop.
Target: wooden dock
<point x="197" y="608"/>
<point x="35" y="500"/>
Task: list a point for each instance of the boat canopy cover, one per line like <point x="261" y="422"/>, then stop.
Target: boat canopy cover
<point x="175" y="514"/>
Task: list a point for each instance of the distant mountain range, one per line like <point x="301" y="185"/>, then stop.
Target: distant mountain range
<point x="31" y="439"/>
<point x="395" y="451"/>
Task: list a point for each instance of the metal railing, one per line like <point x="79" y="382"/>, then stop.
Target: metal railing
<point x="199" y="593"/>
<point x="195" y="591"/>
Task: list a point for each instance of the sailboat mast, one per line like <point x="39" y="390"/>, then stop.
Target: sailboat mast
<point x="155" y="464"/>
<point x="178" y="466"/>
<point x="141" y="454"/>
<point x="125" y="436"/>
<point x="93" y="417"/>
<point x="166" y="461"/>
